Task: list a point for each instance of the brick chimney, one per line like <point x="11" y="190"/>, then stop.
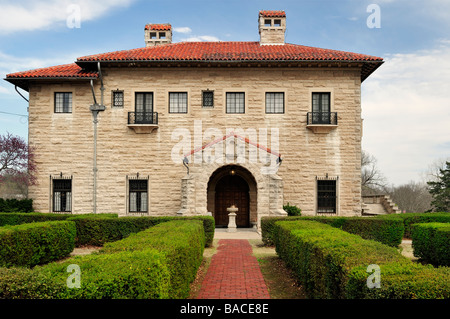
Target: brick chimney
<point x="157" y="34"/>
<point x="272" y="27"/>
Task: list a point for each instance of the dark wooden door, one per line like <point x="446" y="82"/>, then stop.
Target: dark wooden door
<point x="232" y="190"/>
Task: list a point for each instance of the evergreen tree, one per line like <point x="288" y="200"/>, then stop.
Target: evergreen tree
<point x="440" y="190"/>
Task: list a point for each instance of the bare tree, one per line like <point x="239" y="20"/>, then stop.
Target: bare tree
<point x="372" y="180"/>
<point x="412" y="197"/>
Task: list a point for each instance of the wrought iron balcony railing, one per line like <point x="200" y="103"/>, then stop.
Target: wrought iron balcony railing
<point x="322" y="118"/>
<point x="143" y="118"/>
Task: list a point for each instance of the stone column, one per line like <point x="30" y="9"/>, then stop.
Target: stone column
<point x="232" y="219"/>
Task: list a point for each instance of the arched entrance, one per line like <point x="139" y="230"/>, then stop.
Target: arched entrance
<point x="232" y="185"/>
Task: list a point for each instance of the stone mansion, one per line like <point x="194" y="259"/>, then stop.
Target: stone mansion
<point x="191" y="128"/>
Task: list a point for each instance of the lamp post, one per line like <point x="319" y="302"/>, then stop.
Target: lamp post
<point x="95" y="109"/>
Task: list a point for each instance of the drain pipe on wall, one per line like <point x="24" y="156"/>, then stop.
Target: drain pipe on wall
<point x="95" y="109"/>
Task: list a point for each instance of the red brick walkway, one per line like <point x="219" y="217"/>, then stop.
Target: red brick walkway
<point x="234" y="273"/>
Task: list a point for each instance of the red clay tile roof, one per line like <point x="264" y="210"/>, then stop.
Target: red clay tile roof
<point x="158" y="27"/>
<point x="272" y="13"/>
<point x="60" y="71"/>
<point x="228" y="51"/>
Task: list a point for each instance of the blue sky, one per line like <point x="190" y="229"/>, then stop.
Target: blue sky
<point x="405" y="103"/>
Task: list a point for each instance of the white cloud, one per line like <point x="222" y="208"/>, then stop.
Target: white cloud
<point x="406" y="112"/>
<point x="184" y="30"/>
<point x="38" y="14"/>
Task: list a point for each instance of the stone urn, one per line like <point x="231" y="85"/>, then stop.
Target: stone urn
<point x="232" y="218"/>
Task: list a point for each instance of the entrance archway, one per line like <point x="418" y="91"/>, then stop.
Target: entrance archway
<point x="232" y="185"/>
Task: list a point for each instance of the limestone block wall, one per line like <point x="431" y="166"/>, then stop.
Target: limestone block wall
<point x="64" y="142"/>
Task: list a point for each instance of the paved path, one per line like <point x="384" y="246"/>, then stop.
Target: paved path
<point x="234" y="273"/>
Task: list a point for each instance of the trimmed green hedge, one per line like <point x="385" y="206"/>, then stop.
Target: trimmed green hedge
<point x="322" y="255"/>
<point x="124" y="275"/>
<point x="36" y="243"/>
<point x="431" y="242"/>
<point x="159" y="262"/>
<point x="181" y="241"/>
<point x="414" y="218"/>
<point x="98" y="229"/>
<point x="389" y="231"/>
<point x="16" y="205"/>
<point x="24" y="218"/>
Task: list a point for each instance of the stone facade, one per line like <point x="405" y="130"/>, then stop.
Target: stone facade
<point x="64" y="142"/>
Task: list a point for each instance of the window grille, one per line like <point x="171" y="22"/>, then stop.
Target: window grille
<point x="275" y="102"/>
<point x="208" y="99"/>
<point x="138" y="194"/>
<point x="63" y="102"/>
<point x="61" y="194"/>
<point x="117" y="98"/>
<point x="236" y="102"/>
<point x="326" y="195"/>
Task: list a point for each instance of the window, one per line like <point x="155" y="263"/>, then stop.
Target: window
<point x="153" y="35"/>
<point x="62" y="195"/>
<point x="326" y="196"/>
<point x="277" y="23"/>
<point x="321" y="108"/>
<point x="178" y="102"/>
<point x="117" y="98"/>
<point x="267" y="22"/>
<point x="144" y="108"/>
<point x="236" y="102"/>
<point x="138" y="195"/>
<point x="208" y="98"/>
<point x="162" y="35"/>
<point x="63" y="102"/>
<point x="275" y="103"/>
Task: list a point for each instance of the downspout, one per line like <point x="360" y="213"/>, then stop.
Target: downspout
<point x="95" y="108"/>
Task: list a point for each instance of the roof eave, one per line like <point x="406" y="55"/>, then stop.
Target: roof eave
<point x="24" y="82"/>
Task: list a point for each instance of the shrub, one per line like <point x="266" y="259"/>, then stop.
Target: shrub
<point x="431" y="242"/>
<point x="36" y="243"/>
<point x="414" y="218"/>
<point x="16" y="205"/>
<point x="292" y="210"/>
<point x="159" y="262"/>
<point x="386" y="231"/>
<point x="331" y="263"/>
<point x="23" y="218"/>
<point x="181" y="241"/>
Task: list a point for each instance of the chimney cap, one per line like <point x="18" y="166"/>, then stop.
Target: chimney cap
<point x="158" y="27"/>
<point x="272" y="13"/>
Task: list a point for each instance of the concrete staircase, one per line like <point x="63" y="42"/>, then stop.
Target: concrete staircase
<point x="378" y="205"/>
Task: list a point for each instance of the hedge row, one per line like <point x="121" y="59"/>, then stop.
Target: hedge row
<point x="414" y="218"/>
<point x="182" y="242"/>
<point x="331" y="263"/>
<point x="154" y="264"/>
<point x="16" y="205"/>
<point x="431" y="242"/>
<point x="36" y="243"/>
<point x="386" y="231"/>
<point x="99" y="229"/>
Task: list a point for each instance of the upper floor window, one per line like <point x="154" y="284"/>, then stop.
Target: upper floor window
<point x="117" y="98"/>
<point x="63" y="102"/>
<point x="236" y="102"/>
<point x="275" y="102"/>
<point x="208" y="98"/>
<point x="321" y="102"/>
<point x="178" y="102"/>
